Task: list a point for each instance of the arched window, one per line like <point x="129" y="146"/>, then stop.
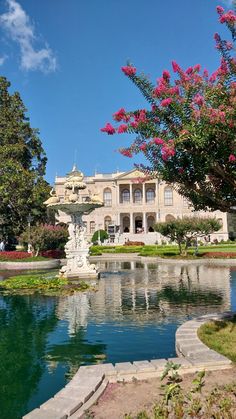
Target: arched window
<point x="169" y="218"/>
<point x="126" y="224"/>
<point x="85" y="226"/>
<point x="168" y="196"/>
<point x="107" y="222"/>
<point x="138" y="196"/>
<point x="125" y="196"/>
<point x="107" y="197"/>
<point x="92" y="227"/>
<point x="150" y="195"/>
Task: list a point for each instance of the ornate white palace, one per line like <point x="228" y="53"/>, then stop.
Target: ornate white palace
<point x="134" y="205"/>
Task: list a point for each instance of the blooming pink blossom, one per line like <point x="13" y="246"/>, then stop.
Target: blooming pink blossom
<point x="189" y="70"/>
<point x="232" y="158"/>
<point x="166" y="102"/>
<point x="229" y="17"/>
<point x="197" y="67"/>
<point x="166" y="75"/>
<point x="143" y="147"/>
<point x="122" y="128"/>
<point x="126" y="152"/>
<point x="198" y="99"/>
<point x="129" y="70"/>
<point x="220" y="10"/>
<point x="158" y="141"/>
<point x="109" y="129"/>
<point x="121" y="115"/>
<point x="175" y="66"/>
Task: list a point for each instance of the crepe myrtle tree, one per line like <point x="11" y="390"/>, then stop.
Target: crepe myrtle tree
<point x="184" y="231"/>
<point x="188" y="131"/>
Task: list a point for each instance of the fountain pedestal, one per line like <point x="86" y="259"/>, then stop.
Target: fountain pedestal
<point x="77" y="247"/>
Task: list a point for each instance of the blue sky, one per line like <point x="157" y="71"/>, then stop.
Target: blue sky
<point x="64" y="57"/>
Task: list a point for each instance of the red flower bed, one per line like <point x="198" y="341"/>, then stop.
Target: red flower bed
<point x="219" y="255"/>
<point x="54" y="254"/>
<point x="14" y="255"/>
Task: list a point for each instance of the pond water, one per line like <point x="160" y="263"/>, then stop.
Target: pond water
<point x="133" y="316"/>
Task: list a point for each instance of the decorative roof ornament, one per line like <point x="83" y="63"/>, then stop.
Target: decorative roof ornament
<point x="74" y="179"/>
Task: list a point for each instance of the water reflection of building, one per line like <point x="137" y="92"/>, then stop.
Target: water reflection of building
<point x="148" y="293"/>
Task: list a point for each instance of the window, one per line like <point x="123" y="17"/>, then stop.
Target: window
<point x="85" y="226"/>
<point x="107" y="221"/>
<point x="107" y="197"/>
<point x="92" y="227"/>
<point x="168" y="196"/>
<point x="169" y="218"/>
<point x="150" y="195"/>
<point x="221" y="222"/>
<point x="150" y="223"/>
<point x="137" y="196"/>
<point x="125" y="196"/>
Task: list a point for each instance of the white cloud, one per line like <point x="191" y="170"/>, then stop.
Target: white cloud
<point x="3" y="59"/>
<point x="20" y="29"/>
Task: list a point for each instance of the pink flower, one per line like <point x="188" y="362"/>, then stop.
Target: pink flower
<point x="232" y="158"/>
<point x="126" y="152"/>
<point x="174" y="90"/>
<point x="175" y="66"/>
<point x="120" y="115"/>
<point x="166" y="75"/>
<point x="189" y="70"/>
<point x="109" y="129"/>
<point x="228" y="17"/>
<point x="181" y="170"/>
<point x="198" y="99"/>
<point x="197" y="67"/>
<point x="220" y="10"/>
<point x="129" y="70"/>
<point x="122" y="128"/>
<point x="166" y="102"/>
<point x="143" y="147"/>
<point x="158" y="141"/>
<point x="229" y="45"/>
<point x="206" y="74"/>
<point x="217" y="37"/>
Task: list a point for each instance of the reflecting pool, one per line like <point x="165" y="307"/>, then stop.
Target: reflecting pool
<point x="132" y="316"/>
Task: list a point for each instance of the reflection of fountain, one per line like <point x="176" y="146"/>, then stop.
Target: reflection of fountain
<point x="77" y="247"/>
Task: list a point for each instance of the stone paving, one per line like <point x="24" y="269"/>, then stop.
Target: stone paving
<point x="89" y="382"/>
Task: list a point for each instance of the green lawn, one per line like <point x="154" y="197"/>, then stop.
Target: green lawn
<point x="27" y="259"/>
<point x="159" y="250"/>
<point x="220" y="336"/>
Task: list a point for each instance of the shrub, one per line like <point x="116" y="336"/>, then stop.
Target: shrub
<point x="103" y="236"/>
<point x="45" y="237"/>
<point x="53" y="254"/>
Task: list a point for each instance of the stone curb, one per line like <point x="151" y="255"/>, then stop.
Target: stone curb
<point x="50" y="264"/>
<point x="90" y="381"/>
<point x="135" y="257"/>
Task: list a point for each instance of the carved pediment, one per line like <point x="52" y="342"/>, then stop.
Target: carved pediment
<point x="132" y="174"/>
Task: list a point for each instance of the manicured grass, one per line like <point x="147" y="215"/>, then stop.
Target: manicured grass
<point x="220" y="336"/>
<point x="162" y="251"/>
<point x="27" y="259"/>
<point x="41" y="283"/>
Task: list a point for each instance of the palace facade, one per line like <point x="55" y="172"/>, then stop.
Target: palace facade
<point x="134" y="205"/>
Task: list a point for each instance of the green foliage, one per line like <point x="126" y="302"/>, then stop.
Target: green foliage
<point x="45" y="237"/>
<point x="184" y="230"/>
<point x="40" y="283"/>
<point x="103" y="236"/>
<point x="22" y="166"/>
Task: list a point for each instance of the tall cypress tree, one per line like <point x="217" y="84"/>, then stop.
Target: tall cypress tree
<point x="22" y="166"/>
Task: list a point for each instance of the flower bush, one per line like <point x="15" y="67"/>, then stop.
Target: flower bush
<point x="13" y="255"/>
<point x="45" y="237"/>
<point x="188" y="131"/>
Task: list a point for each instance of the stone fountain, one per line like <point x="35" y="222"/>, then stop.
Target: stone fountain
<point x="75" y="205"/>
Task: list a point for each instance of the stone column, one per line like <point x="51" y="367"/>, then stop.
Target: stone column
<point x="144" y="195"/>
<point x="131" y="194"/>
<point x="131" y="217"/>
<point x="145" y="222"/>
